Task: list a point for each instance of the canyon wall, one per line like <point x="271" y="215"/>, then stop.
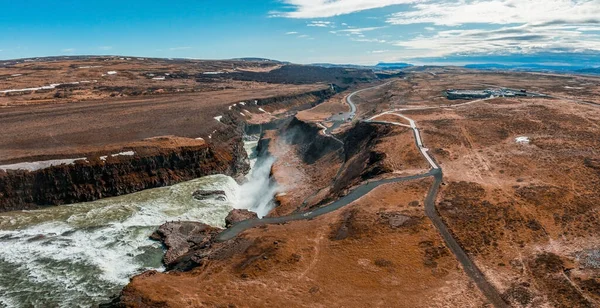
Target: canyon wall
<point x="153" y="165"/>
<point x="96" y="178"/>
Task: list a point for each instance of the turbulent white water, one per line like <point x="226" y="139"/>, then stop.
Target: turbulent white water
<point x="79" y="255"/>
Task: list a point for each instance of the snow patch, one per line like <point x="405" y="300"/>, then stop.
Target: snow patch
<point x="38" y="165"/>
<point x="218" y="118"/>
<point x="522" y="140"/>
<point x="128" y="153"/>
<point x="111" y="73"/>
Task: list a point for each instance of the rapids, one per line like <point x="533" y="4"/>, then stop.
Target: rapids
<point x="82" y="254"/>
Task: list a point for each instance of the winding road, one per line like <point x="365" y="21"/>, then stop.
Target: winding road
<point x="436" y="172"/>
<point x="468" y="265"/>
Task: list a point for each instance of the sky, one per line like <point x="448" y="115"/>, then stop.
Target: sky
<point x="562" y="32"/>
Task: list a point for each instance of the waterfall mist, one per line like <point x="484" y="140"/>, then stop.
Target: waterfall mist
<point x="257" y="193"/>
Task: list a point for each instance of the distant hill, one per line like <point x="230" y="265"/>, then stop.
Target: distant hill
<point x="331" y="65"/>
<point x="250" y="59"/>
<point x="383" y="65"/>
<point x="300" y="74"/>
<point x="590" y="70"/>
<point x="528" y="67"/>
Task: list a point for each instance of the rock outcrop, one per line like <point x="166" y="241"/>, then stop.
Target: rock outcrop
<point x="236" y="216"/>
<point x="312" y="145"/>
<point x="183" y="236"/>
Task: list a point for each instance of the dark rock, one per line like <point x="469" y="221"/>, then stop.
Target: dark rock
<point x="96" y="179"/>
<point x="181" y="237"/>
<point x="236" y="216"/>
<point x="210" y="194"/>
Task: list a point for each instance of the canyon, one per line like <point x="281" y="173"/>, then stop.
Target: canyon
<point x="359" y="188"/>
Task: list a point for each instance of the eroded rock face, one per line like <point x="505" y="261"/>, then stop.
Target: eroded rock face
<point x="183" y="236"/>
<point x="236" y="216"/>
<point x="96" y="179"/>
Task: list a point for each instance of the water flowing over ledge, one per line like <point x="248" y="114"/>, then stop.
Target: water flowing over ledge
<point x="85" y="253"/>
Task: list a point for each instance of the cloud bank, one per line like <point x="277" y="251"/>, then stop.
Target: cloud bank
<point x="330" y="8"/>
<point x="472" y="26"/>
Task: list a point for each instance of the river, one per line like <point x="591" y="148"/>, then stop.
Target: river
<point x="82" y="254"/>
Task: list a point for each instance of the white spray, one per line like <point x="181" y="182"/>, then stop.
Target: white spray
<point x="257" y="193"/>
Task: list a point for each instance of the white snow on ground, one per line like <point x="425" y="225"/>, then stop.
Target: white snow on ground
<point x="90" y="66"/>
<point x="575" y="88"/>
<point x="111" y="73"/>
<point x="50" y="87"/>
<point x="218" y="118"/>
<point x="16" y="75"/>
<point x="37" y="165"/>
<point x="128" y="153"/>
<point x="243" y="103"/>
<point x="199" y="138"/>
<point x="243" y="115"/>
<point x="522" y="140"/>
<point x="158" y="78"/>
<point x="212" y="73"/>
<point x="263" y="110"/>
<point x="246" y="111"/>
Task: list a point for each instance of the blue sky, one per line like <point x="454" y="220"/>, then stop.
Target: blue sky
<point x="308" y="31"/>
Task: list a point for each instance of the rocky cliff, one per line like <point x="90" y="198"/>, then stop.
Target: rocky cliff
<point x="106" y="176"/>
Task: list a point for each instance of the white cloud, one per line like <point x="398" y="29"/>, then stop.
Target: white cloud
<point x="355" y="31"/>
<point x="304" y="36"/>
<point x="322" y="24"/>
<point x="368" y="40"/>
<point x="329" y="8"/>
<point x="521" y="39"/>
<point x="451" y="13"/>
<point x="291" y="32"/>
<point x="379" y="51"/>
<point x="68" y="50"/>
<point x="503" y="26"/>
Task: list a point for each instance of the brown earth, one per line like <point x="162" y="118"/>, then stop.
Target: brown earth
<point x="379" y="251"/>
<point x="47" y="129"/>
<point x="517" y="207"/>
<point x="527" y="214"/>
